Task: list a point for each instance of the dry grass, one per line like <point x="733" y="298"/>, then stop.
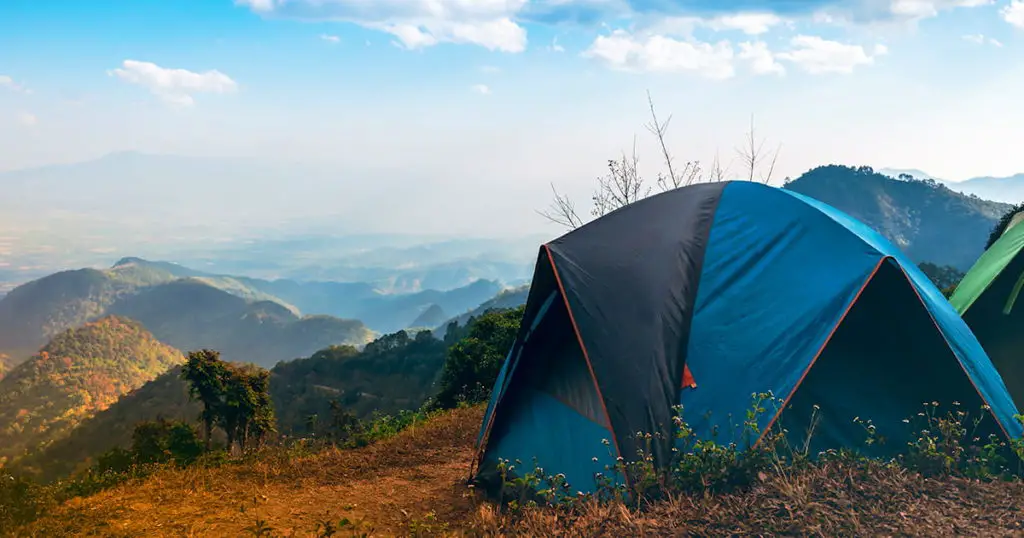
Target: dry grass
<point x="833" y="500"/>
<point x="381" y="488"/>
<point x="384" y="489"/>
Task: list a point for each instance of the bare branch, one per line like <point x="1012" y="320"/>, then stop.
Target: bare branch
<point x="562" y="211"/>
<point x="771" y="167"/>
<point x="658" y="130"/>
<point x="621" y="186"/>
<point x="752" y="155"/>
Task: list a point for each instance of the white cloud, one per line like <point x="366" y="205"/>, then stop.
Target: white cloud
<point x="174" y="86"/>
<point x="816" y="55"/>
<point x="555" y="47"/>
<point x="9" y="83"/>
<point x="489" y="69"/>
<point x="762" y="61"/>
<point x="330" y="38"/>
<point x="890" y="11"/>
<point x="658" y="53"/>
<point x="27" y="119"/>
<point x="980" y="39"/>
<point x="748" y="23"/>
<point x="416" y="23"/>
<point x="1013" y="13"/>
<point x="482" y="89"/>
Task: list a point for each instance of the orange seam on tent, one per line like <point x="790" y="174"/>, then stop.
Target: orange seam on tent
<point x="962" y="367"/>
<point x="586" y="355"/>
<point x="821" y="350"/>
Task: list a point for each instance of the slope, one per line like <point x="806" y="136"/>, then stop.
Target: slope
<point x="392" y="373"/>
<point x="927" y="220"/>
<point x="79" y="373"/>
<point x="184" y="308"/>
<point x="190" y="314"/>
<point x="395" y="372"/>
<point x="166" y="396"/>
<point x="507" y="298"/>
<point x="414" y="485"/>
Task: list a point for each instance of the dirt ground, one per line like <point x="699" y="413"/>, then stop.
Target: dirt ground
<point x="414" y="482"/>
<point x="413" y="485"/>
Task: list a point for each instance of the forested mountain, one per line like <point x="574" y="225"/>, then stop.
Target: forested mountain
<point x="247" y="319"/>
<point x="77" y="374"/>
<point x="930" y="222"/>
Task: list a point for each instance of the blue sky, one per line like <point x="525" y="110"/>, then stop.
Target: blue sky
<point x="499" y="98"/>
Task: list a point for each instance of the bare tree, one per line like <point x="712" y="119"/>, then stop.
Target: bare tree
<point x="622" y="184"/>
<point x="752" y="155"/>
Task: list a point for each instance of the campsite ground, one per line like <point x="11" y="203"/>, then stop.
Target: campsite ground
<point x="412" y="485"/>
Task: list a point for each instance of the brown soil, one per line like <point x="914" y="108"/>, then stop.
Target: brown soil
<point x="386" y="489"/>
<point x="413" y="485"/>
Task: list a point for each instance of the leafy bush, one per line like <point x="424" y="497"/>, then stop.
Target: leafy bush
<point x="943" y="446"/>
<point x="473" y="363"/>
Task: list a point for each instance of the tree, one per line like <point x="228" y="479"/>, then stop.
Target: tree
<point x="623" y="184"/>
<point x="205" y="373"/>
<point x="472" y="364"/>
<point x="1003" y="224"/>
<point x="234" y="397"/>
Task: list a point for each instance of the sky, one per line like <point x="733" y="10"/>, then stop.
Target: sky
<point x="496" y="100"/>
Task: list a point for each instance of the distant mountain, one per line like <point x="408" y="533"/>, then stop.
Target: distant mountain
<point x="1008" y="189"/>
<point x="77" y="374"/>
<point x="381" y="312"/>
<point x="431" y="317"/>
<point x="187" y="312"/>
<point x="191" y="314"/>
<point x="247" y="319"/>
<point x="507" y="298"/>
<point x="927" y="220"/>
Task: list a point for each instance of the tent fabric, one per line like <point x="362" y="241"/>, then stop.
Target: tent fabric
<point x="705" y="295"/>
<point x="988" y="300"/>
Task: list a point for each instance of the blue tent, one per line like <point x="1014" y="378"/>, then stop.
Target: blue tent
<point x="704" y="295"/>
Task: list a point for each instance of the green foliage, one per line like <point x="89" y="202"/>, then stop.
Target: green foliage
<point x="394" y="372"/>
<point x="945" y="445"/>
<point x="472" y="365"/>
<point x="1004" y="222"/>
<point x="235" y="398"/>
<point x="944" y="277"/>
<point x="165" y="397"/>
<point x="79" y="373"/>
<point x="21" y="501"/>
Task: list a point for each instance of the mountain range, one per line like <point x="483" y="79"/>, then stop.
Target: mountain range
<point x="1007" y="189"/>
<point x="249" y="320"/>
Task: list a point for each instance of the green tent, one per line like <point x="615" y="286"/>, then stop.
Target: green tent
<point x="987" y="299"/>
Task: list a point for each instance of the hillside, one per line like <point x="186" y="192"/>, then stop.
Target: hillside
<point x="77" y="374"/>
<point x="414" y="485"/>
<point x="393" y="373"/>
<point x="186" y="308"/>
<point x="166" y="396"/>
<point x="190" y="314"/>
<point x="180" y="308"/>
<point x="431" y="317"/>
<point x="507" y="298"/>
<point x="930" y="222"/>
